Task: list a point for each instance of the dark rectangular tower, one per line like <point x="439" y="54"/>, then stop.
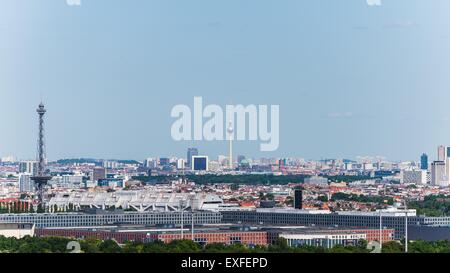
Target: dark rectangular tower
<point x="298" y="199"/>
<point x="424" y="162"/>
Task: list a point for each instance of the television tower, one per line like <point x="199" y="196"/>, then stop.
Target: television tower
<point x="41" y="178"/>
<point x="230" y="131"/>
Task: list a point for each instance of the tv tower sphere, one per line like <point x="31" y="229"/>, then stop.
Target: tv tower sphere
<point x="230" y="128"/>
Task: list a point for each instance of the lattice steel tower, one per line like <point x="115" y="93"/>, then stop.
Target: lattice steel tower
<point x="41" y="178"/>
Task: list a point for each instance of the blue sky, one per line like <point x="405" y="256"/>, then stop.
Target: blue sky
<point x="351" y="79"/>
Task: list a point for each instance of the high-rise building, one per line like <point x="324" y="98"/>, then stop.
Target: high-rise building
<point x="298" y="199"/>
<point x="424" y="162"/>
<point x="200" y="163"/>
<point x="110" y="164"/>
<point x="438" y="174"/>
<point x="190" y="153"/>
<point x="282" y="163"/>
<point x="25" y="183"/>
<point x="29" y="167"/>
<point x="98" y="173"/>
<point x="442" y="153"/>
<point x="240" y="158"/>
<point x="150" y="163"/>
<point x="164" y="161"/>
<point x="180" y="164"/>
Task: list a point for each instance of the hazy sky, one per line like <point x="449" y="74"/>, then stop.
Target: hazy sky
<point x="351" y="79"/>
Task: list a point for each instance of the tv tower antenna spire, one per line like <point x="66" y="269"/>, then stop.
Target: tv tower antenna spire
<point x="230" y="131"/>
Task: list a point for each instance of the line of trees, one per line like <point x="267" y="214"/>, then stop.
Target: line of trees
<point x="362" y="198"/>
<point x="432" y="205"/>
<point x="29" y="244"/>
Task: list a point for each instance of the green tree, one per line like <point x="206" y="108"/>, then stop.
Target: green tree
<point x="133" y="247"/>
<point x="109" y="246"/>
<point x="90" y="245"/>
<point x="184" y="246"/>
<point x="322" y="198"/>
<point x="280" y="246"/>
<point x="393" y="247"/>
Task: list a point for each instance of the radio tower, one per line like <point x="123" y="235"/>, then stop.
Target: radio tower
<point x="41" y="179"/>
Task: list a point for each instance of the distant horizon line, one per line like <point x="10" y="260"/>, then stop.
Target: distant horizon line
<point x="98" y="159"/>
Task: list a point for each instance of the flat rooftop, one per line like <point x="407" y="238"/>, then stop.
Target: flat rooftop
<point x="386" y="212"/>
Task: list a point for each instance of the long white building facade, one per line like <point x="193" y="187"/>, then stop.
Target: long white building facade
<point x="140" y="201"/>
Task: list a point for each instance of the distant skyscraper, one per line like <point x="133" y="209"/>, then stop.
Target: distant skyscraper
<point x="180" y="164"/>
<point x="29" y="167"/>
<point x="164" y="161"/>
<point x="200" y="163"/>
<point x="98" y="173"/>
<point x="240" y="158"/>
<point x="442" y="153"/>
<point x="110" y="164"/>
<point x="424" y="162"/>
<point x="438" y="174"/>
<point x="150" y="163"/>
<point x="25" y="183"/>
<point x="282" y="163"/>
<point x="190" y="153"/>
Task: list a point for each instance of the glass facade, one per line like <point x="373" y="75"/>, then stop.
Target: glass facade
<point x="200" y="163"/>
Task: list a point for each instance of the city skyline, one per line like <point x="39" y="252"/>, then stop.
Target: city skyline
<point x="224" y="135"/>
<point x="351" y="79"/>
<point x="442" y="152"/>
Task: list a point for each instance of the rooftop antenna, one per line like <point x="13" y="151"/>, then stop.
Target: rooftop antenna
<point x="192" y="227"/>
<point x="406" y="226"/>
<point x="381" y="231"/>
<point x="182" y="220"/>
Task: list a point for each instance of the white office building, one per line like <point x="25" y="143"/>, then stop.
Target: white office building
<point x="438" y="174"/>
<point x="17" y="230"/>
<point x="25" y="183"/>
<point x="67" y="181"/>
<point x="28" y="167"/>
<point x="442" y="153"/>
<point x="180" y="164"/>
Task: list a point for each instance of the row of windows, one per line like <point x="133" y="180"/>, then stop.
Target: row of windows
<point x="397" y="223"/>
<point x="92" y="220"/>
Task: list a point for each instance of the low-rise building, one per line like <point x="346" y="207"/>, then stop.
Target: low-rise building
<point x="17" y="230"/>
